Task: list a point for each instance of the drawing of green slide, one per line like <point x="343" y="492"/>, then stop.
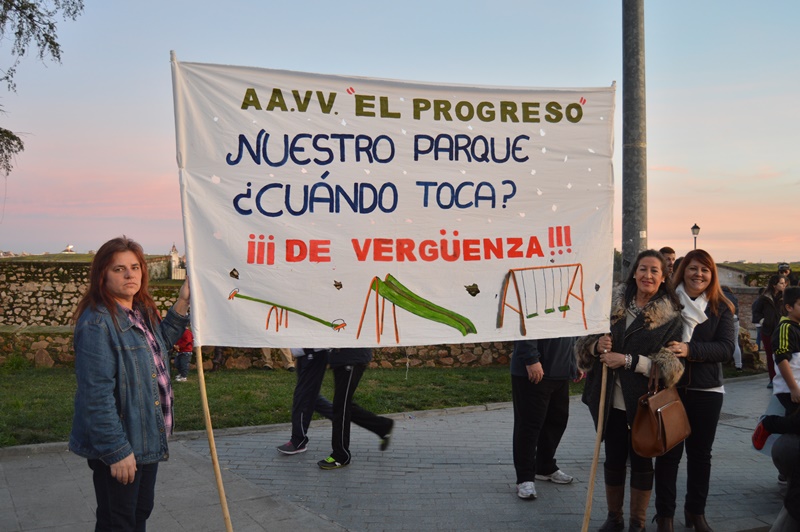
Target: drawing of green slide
<point x="395" y="292"/>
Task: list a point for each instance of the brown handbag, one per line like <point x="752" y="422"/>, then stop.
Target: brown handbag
<point x="661" y="422"/>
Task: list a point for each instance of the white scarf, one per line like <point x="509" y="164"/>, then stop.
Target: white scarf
<point x="693" y="313"/>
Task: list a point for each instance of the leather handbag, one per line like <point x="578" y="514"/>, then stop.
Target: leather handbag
<point x="661" y="422"/>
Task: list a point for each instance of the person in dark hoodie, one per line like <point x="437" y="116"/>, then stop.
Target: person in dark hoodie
<point x="348" y="365"/>
<point x="540" y="374"/>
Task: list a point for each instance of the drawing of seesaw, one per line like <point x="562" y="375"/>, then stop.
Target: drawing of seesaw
<point x="280" y="315"/>
<point x="400" y="296"/>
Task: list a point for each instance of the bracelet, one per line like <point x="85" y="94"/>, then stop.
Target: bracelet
<point x="628" y="361"/>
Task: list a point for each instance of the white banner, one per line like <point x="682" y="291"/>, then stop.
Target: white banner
<point x="335" y="211"/>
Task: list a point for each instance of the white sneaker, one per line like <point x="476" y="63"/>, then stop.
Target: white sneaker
<point x="180" y="379"/>
<point x="526" y="490"/>
<point x="559" y="477"/>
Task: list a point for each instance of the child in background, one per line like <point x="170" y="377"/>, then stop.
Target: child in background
<point x="786" y="384"/>
<point x="183" y="350"/>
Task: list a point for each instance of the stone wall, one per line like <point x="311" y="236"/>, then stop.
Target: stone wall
<point x="46" y="293"/>
<point x="37" y="301"/>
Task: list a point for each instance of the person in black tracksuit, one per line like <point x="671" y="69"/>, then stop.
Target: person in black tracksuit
<point x="540" y="374"/>
<point x="310" y="367"/>
<point x="348" y="365"/>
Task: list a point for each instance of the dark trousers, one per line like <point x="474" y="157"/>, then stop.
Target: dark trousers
<point x="310" y="370"/>
<point x="703" y="409"/>
<point x="618" y="450"/>
<point x="767" y="341"/>
<point x="345" y="383"/>
<point x="541" y="412"/>
<point x="123" y="507"/>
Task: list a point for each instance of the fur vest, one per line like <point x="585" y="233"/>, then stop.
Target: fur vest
<point x="658" y="324"/>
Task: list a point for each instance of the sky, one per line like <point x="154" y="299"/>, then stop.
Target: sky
<point x="722" y="83"/>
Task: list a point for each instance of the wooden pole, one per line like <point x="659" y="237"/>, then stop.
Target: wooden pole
<point x="198" y="353"/>
<point x="587" y="514"/>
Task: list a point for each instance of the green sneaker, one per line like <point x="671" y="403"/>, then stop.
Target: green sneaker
<point x="330" y="463"/>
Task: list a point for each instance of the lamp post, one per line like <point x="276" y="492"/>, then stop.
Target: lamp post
<point x="695" y="232"/>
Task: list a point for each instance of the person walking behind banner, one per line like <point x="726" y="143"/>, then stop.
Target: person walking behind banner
<point x="311" y="365"/>
<point x="540" y="375"/>
<point x="183" y="354"/>
<point x="123" y="402"/>
<point x="767" y="311"/>
<point x="348" y="365"/>
<point x="707" y="343"/>
<point x="645" y="316"/>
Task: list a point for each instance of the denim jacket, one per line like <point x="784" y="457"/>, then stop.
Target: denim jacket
<point x="117" y="406"/>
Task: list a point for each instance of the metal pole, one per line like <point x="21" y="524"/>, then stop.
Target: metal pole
<point x="695" y="242"/>
<point x="634" y="134"/>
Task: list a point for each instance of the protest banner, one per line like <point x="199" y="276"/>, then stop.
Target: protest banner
<point x="335" y="211"/>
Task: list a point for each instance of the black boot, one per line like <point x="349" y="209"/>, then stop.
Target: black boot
<point x="615" y="497"/>
<point x="696" y="521"/>
<point x="664" y="524"/>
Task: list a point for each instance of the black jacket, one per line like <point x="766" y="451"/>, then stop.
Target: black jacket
<point x="710" y="346"/>
<point x="349" y="356"/>
<point x="658" y="324"/>
<point x="555" y="354"/>
<point x="767" y="308"/>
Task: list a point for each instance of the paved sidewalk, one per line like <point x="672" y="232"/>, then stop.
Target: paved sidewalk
<point x="445" y="470"/>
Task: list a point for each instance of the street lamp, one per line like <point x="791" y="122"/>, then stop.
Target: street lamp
<point x="695" y="232"/>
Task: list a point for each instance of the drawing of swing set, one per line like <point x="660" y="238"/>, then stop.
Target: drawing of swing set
<point x="540" y="286"/>
<point x="282" y="313"/>
<point x="400" y="296"/>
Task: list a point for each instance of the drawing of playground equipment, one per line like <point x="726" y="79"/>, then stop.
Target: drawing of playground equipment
<point x="542" y="288"/>
<point x="282" y="313"/>
<point x="399" y="296"/>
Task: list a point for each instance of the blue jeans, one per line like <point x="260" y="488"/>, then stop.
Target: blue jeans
<point x="182" y="363"/>
<point x="123" y="507"/>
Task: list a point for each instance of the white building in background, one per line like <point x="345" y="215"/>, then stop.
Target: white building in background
<point x="178" y="272"/>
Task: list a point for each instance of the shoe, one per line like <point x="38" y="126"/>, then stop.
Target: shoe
<point x="290" y="369"/>
<point x="769" y="385"/>
<point x="740" y="369"/>
<point x="696" y="521"/>
<point x="614" y="523"/>
<point x="267" y="368"/>
<point x="526" y="490"/>
<point x="559" y="477"/>
<point x="289" y="448"/>
<point x="180" y="378"/>
<point x="330" y="463"/>
<point x="760" y="436"/>
<point x="386" y="438"/>
<point x="781" y="480"/>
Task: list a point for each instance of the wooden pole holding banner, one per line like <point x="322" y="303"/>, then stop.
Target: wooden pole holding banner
<point x="198" y="353"/>
<point x="587" y="514"/>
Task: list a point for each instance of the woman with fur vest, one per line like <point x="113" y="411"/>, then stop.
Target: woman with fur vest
<point x="707" y="342"/>
<point x="645" y="317"/>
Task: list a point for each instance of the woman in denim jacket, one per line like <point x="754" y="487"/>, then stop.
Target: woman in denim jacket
<point x="123" y="403"/>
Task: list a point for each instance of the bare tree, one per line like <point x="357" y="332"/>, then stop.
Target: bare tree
<point x="29" y="24"/>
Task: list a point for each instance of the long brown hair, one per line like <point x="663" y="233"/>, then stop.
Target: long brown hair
<point x="714" y="291"/>
<point x="97" y="293"/>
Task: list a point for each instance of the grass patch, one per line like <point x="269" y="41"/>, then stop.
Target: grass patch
<point x="36" y="404"/>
